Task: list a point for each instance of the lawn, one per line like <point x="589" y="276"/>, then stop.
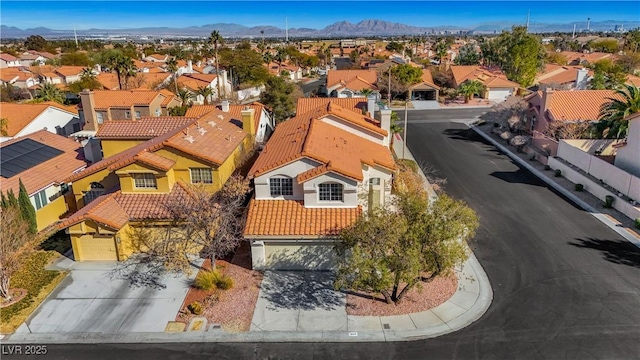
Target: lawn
<point x="37" y="281"/>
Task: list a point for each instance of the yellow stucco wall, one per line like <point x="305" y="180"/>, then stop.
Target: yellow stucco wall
<point x="51" y="213"/>
<point x="104" y="177"/>
<point x="112" y="147"/>
<point x="127" y="184"/>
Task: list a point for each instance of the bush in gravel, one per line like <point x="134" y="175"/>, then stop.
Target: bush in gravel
<point x="637" y="223"/>
<point x="579" y="187"/>
<point x="195" y="308"/>
<point x="558" y="173"/>
<point x="224" y="282"/>
<point x="608" y="203"/>
<point x="206" y="280"/>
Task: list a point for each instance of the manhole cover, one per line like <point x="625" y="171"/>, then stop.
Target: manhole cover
<point x="386" y="326"/>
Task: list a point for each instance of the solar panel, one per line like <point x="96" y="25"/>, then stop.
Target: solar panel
<point x="23" y="155"/>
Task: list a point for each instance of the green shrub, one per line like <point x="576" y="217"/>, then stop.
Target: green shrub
<point x="637" y="223"/>
<point x="206" y="280"/>
<point x="558" y="173"/>
<point x="196" y="308"/>
<point x="406" y="163"/>
<point x="579" y="187"/>
<point x="547" y="167"/>
<point x="608" y="202"/>
<point x="224" y="283"/>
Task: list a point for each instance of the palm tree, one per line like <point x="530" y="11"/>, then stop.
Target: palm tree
<point x="470" y="88"/>
<point x="267" y="58"/>
<point x="281" y="56"/>
<point x="185" y="96"/>
<point x="366" y="92"/>
<point x="123" y="66"/>
<point x="205" y="92"/>
<point x="48" y="92"/>
<point x="441" y="52"/>
<point x="87" y="74"/>
<point x="172" y="66"/>
<point x="216" y="39"/>
<point x="613" y="114"/>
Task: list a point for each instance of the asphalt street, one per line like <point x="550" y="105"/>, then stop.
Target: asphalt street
<point x="565" y="286"/>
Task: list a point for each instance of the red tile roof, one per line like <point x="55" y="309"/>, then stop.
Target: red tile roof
<point x="578" y="104"/>
<point x="336" y="76"/>
<point x="54" y="170"/>
<point x="235" y="111"/>
<point x="20" y="115"/>
<point x="105" y="99"/>
<point x="291" y="218"/>
<point x="354" y="104"/>
<point x="155" y="160"/>
<point x="145" y="128"/>
<point x="490" y="77"/>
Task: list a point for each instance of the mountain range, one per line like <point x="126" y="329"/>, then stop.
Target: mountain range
<point x="343" y="28"/>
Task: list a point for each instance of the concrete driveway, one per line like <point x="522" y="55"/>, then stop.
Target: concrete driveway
<point x="299" y="301"/>
<point x="90" y="300"/>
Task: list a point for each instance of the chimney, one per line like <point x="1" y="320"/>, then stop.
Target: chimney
<point x="384" y="116"/>
<point x="225" y="105"/>
<point x="189" y="67"/>
<point x="371" y="104"/>
<point x="581" y="79"/>
<point x="223" y="76"/>
<point x="88" y="110"/>
<point x="546" y="101"/>
<point x="248" y="120"/>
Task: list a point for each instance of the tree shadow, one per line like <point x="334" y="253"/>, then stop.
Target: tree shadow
<point x="301" y="290"/>
<point x="518" y="177"/>
<point x="616" y="251"/>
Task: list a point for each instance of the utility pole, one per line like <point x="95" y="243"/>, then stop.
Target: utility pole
<point x="574" y="32"/>
<point x="286" y="30"/>
<point x="75" y="35"/>
<point x="528" y="16"/>
<point x="404" y="136"/>
<point x="588" y="23"/>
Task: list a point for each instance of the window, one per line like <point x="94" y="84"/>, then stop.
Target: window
<point x="144" y="181"/>
<point x="127" y="114"/>
<point x="201" y="175"/>
<point x="281" y="186"/>
<point x="138" y="115"/>
<point x="158" y="112"/>
<point x="330" y="192"/>
<point x="374" y="181"/>
<point x="76" y="127"/>
<point x="99" y="117"/>
<point x="95" y="190"/>
<point x="41" y="199"/>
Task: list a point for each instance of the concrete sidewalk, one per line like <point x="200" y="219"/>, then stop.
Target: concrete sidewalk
<point x="470" y="301"/>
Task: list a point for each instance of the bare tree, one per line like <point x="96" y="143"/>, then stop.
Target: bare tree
<point x="569" y="130"/>
<point x="15" y="245"/>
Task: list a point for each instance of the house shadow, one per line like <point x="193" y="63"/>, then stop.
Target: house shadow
<point x="519" y="176"/>
<point x="615" y="251"/>
<point x="301" y="290"/>
<point x="470" y="135"/>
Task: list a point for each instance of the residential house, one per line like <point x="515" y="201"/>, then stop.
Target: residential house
<point x="42" y="161"/>
<point x="350" y="83"/>
<point x="557" y="77"/>
<point x="28" y="59"/>
<point x="69" y="74"/>
<point x="99" y="106"/>
<point x="22" y="79"/>
<point x="154" y="58"/>
<point x="426" y="89"/>
<point x="194" y="81"/>
<point x="497" y="86"/>
<point x="578" y="58"/>
<point x="628" y="154"/>
<point x="8" y="60"/>
<point x="146" y="80"/>
<point x="549" y="106"/>
<point x="318" y="172"/>
<point x="24" y="119"/>
<point x="129" y="189"/>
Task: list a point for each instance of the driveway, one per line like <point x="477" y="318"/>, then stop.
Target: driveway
<point x="90" y="300"/>
<point x="299" y="301"/>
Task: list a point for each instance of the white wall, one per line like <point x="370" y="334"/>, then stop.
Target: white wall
<point x="350" y="189"/>
<point x="249" y="93"/>
<point x="264" y="123"/>
<point x="356" y="130"/>
<point x="49" y="119"/>
<point x="50" y="191"/>
<point x="628" y="157"/>
<point x="291" y="170"/>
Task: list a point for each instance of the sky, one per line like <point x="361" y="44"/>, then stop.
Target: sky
<point x="87" y="14"/>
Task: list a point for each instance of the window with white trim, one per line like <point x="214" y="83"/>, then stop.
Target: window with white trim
<point x="99" y="117"/>
<point x="201" y="176"/>
<point x="144" y="181"/>
<point x="281" y="186"/>
<point x="330" y="192"/>
<point x="158" y="112"/>
<point x="138" y="114"/>
<point x="40" y="199"/>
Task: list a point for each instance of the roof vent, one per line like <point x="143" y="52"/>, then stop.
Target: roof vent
<point x="220" y="117"/>
<point x="190" y="139"/>
<point x="202" y="131"/>
<point x="212" y="123"/>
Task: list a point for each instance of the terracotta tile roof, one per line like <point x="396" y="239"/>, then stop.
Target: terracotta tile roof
<point x="354" y="104"/>
<point x="197" y="111"/>
<point x="7" y="57"/>
<point x="633" y="80"/>
<point x="313" y="173"/>
<point x="198" y="69"/>
<point x="307" y="135"/>
<point x="354" y="118"/>
<point x="158" y="56"/>
<point x="70" y="70"/>
<point x="155" y="160"/>
<point x="336" y="76"/>
<point x="169" y="96"/>
<point x="358" y="83"/>
<point x="556" y="74"/>
<point x="575" y="58"/>
<point x="191" y="83"/>
<point x="117" y="209"/>
<point x="212" y="138"/>
<point x="578" y="104"/>
<point x="235" y="111"/>
<point x="105" y="99"/>
<point x="428" y="78"/>
<point x="145" y="128"/>
<point x="54" y="170"/>
<point x="20" y="115"/>
<point x="202" y="77"/>
<point x="291" y="218"/>
<point x="490" y="77"/>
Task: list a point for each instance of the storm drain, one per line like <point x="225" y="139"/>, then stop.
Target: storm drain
<point x="386" y="326"/>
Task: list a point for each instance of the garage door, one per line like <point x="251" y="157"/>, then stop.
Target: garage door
<point x="97" y="248"/>
<point x="500" y="94"/>
<point x="307" y="256"/>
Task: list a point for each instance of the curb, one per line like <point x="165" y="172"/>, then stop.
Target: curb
<point x="566" y="193"/>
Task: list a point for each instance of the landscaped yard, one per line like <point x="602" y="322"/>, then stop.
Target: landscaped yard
<point x="38" y="283"/>
<point x="232" y="308"/>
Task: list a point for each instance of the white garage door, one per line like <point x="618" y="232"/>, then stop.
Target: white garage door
<point x="500" y="94"/>
<point x="299" y="256"/>
<point x="97" y="248"/>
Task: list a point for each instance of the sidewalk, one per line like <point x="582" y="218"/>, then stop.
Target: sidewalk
<point x="626" y="232"/>
<point x="470" y="301"/>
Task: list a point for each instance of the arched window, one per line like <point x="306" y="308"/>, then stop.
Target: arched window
<point x="95" y="190"/>
<point x="330" y="192"/>
<point x="281" y="185"/>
